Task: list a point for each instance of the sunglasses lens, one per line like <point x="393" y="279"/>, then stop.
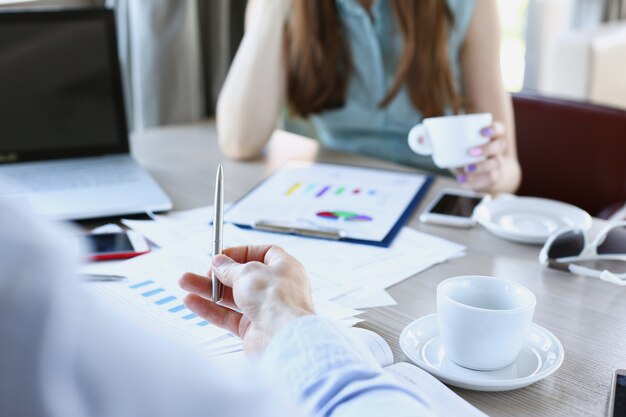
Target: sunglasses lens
<point x="566" y="244"/>
<point x="614" y="242"/>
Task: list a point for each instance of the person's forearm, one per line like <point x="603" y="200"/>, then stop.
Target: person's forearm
<point x="252" y="95"/>
<point x="333" y="377"/>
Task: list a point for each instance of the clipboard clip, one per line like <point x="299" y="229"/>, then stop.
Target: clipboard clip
<point x="295" y="228"/>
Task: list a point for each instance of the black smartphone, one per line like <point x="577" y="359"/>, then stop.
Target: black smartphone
<point x="452" y="207"/>
<point x="617" y="403"/>
<point x="110" y="246"/>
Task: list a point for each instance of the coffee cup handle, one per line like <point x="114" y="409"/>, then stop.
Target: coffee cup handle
<point x="418" y="141"/>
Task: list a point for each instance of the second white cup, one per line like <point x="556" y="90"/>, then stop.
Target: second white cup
<point x="483" y="320"/>
<point x="449" y="138"/>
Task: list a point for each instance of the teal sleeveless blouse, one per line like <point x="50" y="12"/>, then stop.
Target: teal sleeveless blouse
<point x="361" y="126"/>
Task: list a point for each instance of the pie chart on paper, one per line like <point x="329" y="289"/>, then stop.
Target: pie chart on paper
<point x="345" y="216"/>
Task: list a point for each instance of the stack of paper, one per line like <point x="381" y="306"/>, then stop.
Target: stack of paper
<point x="344" y="276"/>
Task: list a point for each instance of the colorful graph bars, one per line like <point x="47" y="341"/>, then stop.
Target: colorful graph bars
<point x="320" y="191"/>
<point x="170" y="302"/>
<point x="293" y="188"/>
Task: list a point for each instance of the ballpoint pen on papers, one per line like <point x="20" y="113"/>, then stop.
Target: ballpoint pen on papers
<point x="218" y="222"/>
<point x="100" y="277"/>
<point x="296" y="228"/>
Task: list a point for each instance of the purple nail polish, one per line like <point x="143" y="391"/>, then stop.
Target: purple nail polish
<point x="476" y="151"/>
<point x="471" y="168"/>
<point x="461" y="178"/>
<point x="487" y="131"/>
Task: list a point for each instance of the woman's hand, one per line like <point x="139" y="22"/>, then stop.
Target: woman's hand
<point x="267" y="286"/>
<point x="485" y="175"/>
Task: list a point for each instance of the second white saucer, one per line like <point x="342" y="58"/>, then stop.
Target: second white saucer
<point x="541" y="355"/>
<point x="529" y="219"/>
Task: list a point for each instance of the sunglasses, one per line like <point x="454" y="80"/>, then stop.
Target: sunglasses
<point x="603" y="258"/>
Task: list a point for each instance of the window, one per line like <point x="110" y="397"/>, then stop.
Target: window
<point x="513" y="46"/>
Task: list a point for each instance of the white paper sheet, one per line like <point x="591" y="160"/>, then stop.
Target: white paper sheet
<point x="175" y="227"/>
<point x="165" y="233"/>
<point x="152" y="295"/>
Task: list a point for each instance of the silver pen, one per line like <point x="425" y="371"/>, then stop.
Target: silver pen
<point x="100" y="277"/>
<point x="218" y="223"/>
<point x="299" y="229"/>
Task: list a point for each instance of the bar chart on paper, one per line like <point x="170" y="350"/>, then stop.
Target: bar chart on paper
<point x="153" y="296"/>
<point x="160" y="298"/>
<point x="364" y="203"/>
<point x="313" y="190"/>
<point x="162" y="308"/>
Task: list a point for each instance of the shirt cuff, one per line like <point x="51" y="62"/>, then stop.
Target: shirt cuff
<point x="311" y="347"/>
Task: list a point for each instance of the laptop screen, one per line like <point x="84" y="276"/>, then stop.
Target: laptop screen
<point x="60" y="90"/>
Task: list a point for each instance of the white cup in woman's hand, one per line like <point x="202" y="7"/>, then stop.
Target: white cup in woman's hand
<point x="449" y="138"/>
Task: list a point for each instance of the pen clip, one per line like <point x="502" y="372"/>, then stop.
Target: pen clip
<point x="297" y="229"/>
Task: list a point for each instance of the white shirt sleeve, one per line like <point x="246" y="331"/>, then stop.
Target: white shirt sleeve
<point x="335" y="375"/>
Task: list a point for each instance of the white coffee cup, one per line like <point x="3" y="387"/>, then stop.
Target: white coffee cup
<point x="449" y="138"/>
<point x="483" y="320"/>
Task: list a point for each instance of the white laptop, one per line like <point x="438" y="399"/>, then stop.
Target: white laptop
<point x="63" y="134"/>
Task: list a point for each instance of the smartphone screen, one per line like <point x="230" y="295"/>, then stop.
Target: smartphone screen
<point x="108" y="243"/>
<point x="456" y="205"/>
<point x="619" y="405"/>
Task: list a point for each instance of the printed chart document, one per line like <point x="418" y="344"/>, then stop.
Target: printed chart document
<point x="157" y="303"/>
<point x="151" y="293"/>
<point x="364" y="203"/>
<point x="443" y="401"/>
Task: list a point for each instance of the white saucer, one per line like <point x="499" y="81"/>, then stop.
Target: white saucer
<point x="541" y="355"/>
<point x="529" y="219"/>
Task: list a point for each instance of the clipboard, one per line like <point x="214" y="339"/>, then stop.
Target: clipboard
<point x="274" y="203"/>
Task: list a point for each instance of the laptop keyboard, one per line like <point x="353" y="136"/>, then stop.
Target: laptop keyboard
<point x="64" y="175"/>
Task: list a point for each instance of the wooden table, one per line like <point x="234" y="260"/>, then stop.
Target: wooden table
<point x="587" y="315"/>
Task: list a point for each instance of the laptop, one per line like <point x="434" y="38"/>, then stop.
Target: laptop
<point x="63" y="134"/>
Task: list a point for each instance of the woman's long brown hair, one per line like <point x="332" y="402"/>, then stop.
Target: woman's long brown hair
<point x="319" y="65"/>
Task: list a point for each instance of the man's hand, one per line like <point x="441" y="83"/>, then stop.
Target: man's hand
<point x="267" y="286"/>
